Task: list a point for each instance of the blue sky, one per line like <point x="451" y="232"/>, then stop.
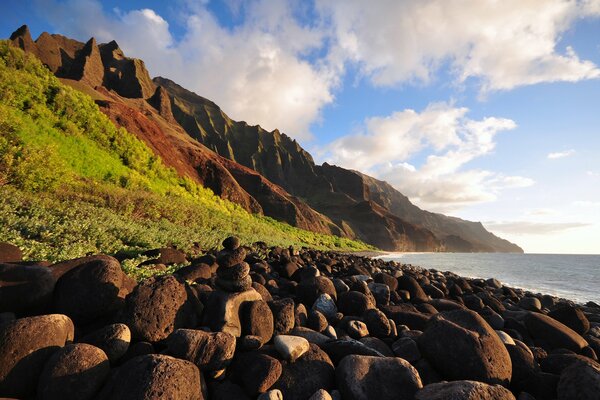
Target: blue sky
<point x="480" y="109"/>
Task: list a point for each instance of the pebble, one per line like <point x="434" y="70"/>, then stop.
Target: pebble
<point x="291" y="347"/>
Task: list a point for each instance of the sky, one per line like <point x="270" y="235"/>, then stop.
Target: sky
<point x="481" y="109"/>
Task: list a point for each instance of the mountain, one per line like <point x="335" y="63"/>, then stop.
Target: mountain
<point x="263" y="171"/>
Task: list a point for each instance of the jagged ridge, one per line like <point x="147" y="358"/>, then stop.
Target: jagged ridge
<point x="263" y="171"/>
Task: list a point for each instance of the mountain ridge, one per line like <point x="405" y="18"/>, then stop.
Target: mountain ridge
<point x="264" y="171"/>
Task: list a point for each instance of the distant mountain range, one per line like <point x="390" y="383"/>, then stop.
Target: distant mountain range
<point x="264" y="172"/>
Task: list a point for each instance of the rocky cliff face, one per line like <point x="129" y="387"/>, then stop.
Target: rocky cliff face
<point x="363" y="206"/>
<point x="264" y="172"/>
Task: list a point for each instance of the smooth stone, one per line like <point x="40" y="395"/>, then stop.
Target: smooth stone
<point x="316" y="321"/>
<point x="463" y="390"/>
<point x="112" y="339"/>
<point x="382" y="378"/>
<point x="271" y="395"/>
<point x="291" y="347"/>
<point x="321" y="394"/>
<point x="572" y="317"/>
<point x="340" y="348"/>
<point x="553" y="334"/>
<point x="530" y="303"/>
<point x="310" y="335"/>
<point x="357" y="329"/>
<point x="76" y="371"/>
<point x="310" y="289"/>
<point x="377" y="323"/>
<point x="377" y="345"/>
<point x="325" y="305"/>
<point x="505" y="337"/>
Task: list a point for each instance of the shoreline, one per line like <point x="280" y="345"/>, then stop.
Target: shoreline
<point x="282" y="323"/>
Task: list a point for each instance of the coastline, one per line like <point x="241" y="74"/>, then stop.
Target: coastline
<point x="314" y="319"/>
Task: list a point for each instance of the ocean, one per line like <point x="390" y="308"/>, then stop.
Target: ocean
<point x="574" y="277"/>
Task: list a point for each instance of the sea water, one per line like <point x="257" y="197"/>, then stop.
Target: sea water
<point x="574" y="277"/>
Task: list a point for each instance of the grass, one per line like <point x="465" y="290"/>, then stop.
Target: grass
<point x="71" y="183"/>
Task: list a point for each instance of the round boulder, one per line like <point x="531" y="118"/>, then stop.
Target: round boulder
<point x="382" y="378"/>
<point x="25" y="346"/>
<point x="549" y="333"/>
<point x="461" y="345"/>
<point x="112" y="339"/>
<point x="301" y="379"/>
<point x="157" y="307"/>
<point x="580" y="381"/>
<point x="257" y="320"/>
<point x="154" y="376"/>
<point x="90" y="290"/>
<point x="464" y="390"/>
<point x="354" y="303"/>
<point x="256" y="372"/>
<point x="77" y="371"/>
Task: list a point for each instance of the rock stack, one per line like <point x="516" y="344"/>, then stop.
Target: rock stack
<point x="233" y="274"/>
<point x="293" y="325"/>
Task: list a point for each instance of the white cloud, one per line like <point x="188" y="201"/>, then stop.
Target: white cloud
<point x="593" y="174"/>
<point x="256" y="71"/>
<point x="532" y="228"/>
<point x="586" y="203"/>
<point x="541" y="212"/>
<point x="560" y="154"/>
<point x="386" y="144"/>
<point x="504" y="44"/>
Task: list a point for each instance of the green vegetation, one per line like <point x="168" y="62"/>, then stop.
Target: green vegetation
<point x="71" y="183"/>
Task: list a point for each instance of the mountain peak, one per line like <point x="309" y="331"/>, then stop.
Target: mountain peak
<point x="22" y="32"/>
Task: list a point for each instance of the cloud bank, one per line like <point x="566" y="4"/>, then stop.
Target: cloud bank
<point x="452" y="140"/>
<point x="532" y="228"/>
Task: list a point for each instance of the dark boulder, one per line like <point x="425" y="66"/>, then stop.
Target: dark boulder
<point x="157" y="307"/>
<point x="549" y="333"/>
<point x="25" y="346"/>
<point x="154" y="376"/>
<point x="113" y="339"/>
<point x="572" y="317"/>
<point x="340" y="348"/>
<point x="90" y="290"/>
<point x="464" y="390"/>
<point x="194" y="272"/>
<point x="354" y="303"/>
<point x="382" y="378"/>
<point x="209" y="351"/>
<point x="256" y="372"/>
<point x="408" y="283"/>
<point x="301" y="379"/>
<point x="580" y="381"/>
<point x="76" y="371"/>
<point x="283" y="315"/>
<point x="461" y="345"/>
<point x="309" y="289"/>
<point x="25" y="289"/>
<point x="257" y="320"/>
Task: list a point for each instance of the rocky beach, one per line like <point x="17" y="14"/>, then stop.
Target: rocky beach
<point x="259" y="322"/>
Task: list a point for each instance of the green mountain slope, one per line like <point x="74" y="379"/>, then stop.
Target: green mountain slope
<point x="71" y="180"/>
